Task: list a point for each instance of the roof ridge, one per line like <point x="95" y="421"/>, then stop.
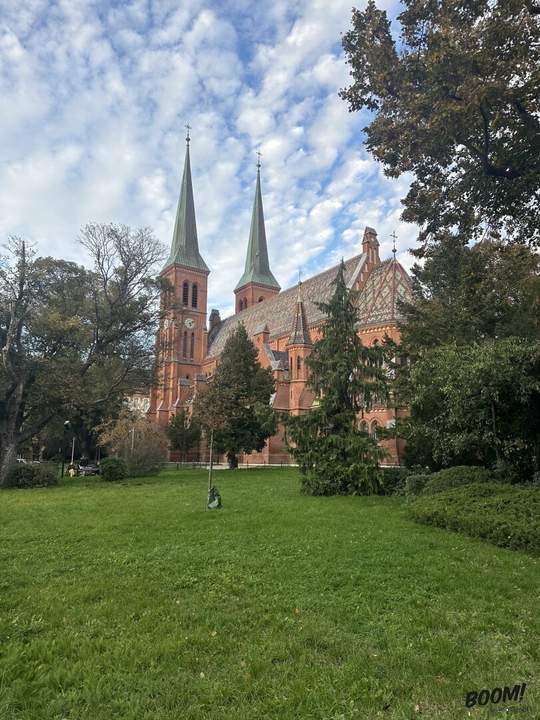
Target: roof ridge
<point x="294" y="287"/>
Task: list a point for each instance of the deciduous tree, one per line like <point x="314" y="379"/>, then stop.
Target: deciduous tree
<point x="455" y="101"/>
<point x="71" y="337"/>
<point x="184" y="432"/>
<point x="476" y="404"/>
<point x="467" y="294"/>
<point x="141" y="443"/>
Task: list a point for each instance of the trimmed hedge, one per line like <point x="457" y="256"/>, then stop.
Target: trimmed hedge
<point x="505" y="515"/>
<point x="457" y="476"/>
<point x="113" y="469"/>
<point x="30" y="476"/>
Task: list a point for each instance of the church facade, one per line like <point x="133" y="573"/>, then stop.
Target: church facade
<point x="283" y="324"/>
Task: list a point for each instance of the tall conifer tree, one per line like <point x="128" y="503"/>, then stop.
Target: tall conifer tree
<point x="334" y="456"/>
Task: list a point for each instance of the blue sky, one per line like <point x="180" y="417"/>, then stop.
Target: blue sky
<point x="95" y="97"/>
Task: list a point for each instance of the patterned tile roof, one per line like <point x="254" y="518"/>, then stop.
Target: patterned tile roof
<point x="387" y="284"/>
<point x="377" y="302"/>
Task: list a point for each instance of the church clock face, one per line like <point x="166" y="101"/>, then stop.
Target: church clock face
<point x="189" y="323"/>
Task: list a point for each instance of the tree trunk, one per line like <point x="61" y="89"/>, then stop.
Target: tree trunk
<point x="8" y="456"/>
<point x="232" y="459"/>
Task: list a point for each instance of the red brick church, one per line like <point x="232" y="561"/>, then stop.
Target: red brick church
<point x="283" y="324"/>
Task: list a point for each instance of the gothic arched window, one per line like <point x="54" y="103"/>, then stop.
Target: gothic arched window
<point x="194" y="295"/>
<point x="374" y="428"/>
<point x="185" y="293"/>
<point x="298" y="365"/>
<point x="364" y="426"/>
<point x="245" y="303"/>
<point x="184" y="344"/>
<point x="241" y="305"/>
<point x="192" y="346"/>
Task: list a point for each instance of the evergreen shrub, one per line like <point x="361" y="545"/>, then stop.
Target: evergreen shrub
<point x="414" y="484"/>
<point x="30" y="476"/>
<point x="456" y="477"/>
<point x="113" y="469"/>
<point x="505" y="515"/>
<point x="393" y="480"/>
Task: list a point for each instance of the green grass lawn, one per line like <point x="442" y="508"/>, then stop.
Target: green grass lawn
<point x="130" y="601"/>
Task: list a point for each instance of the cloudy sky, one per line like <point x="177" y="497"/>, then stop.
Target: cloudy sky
<point x="95" y="96"/>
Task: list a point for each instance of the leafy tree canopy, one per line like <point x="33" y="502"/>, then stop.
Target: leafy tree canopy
<point x="466" y="294"/>
<point x="140" y="443"/>
<point x="455" y="101"/>
<point x="184" y="432"/>
<point x="476" y="404"/>
<point x="71" y="338"/>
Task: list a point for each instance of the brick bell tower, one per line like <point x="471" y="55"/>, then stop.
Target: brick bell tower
<point x="183" y="334"/>
<point x="257" y="283"/>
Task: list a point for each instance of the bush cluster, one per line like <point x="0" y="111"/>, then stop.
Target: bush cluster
<point x="333" y="478"/>
<point x="393" y="480"/>
<point x="414" y="484"/>
<point x="30" y="476"/>
<point x="453" y="477"/>
<point x="505" y="515"/>
<point x="113" y="468"/>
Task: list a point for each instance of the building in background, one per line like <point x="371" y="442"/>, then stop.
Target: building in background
<point x="282" y="324"/>
<point x="139" y="401"/>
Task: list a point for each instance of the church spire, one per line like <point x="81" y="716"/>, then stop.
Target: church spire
<point x="257" y="267"/>
<point x="185" y="245"/>
<point x="300" y="334"/>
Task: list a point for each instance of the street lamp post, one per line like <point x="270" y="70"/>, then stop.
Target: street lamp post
<point x="210" y="463"/>
<point x="67" y="425"/>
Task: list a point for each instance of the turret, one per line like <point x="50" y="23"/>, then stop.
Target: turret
<point x="299" y="347"/>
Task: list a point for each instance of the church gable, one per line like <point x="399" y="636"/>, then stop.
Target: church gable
<point x="387" y="285"/>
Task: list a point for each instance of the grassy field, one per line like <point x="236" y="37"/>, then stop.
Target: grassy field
<point x="130" y="601"/>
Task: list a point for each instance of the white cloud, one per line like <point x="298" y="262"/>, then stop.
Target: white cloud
<point x="97" y="97"/>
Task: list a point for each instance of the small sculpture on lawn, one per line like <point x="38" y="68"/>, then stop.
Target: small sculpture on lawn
<point x="214" y="499"/>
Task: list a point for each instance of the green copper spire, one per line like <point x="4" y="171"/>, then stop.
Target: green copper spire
<point x="185" y="246"/>
<point x="257" y="268"/>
